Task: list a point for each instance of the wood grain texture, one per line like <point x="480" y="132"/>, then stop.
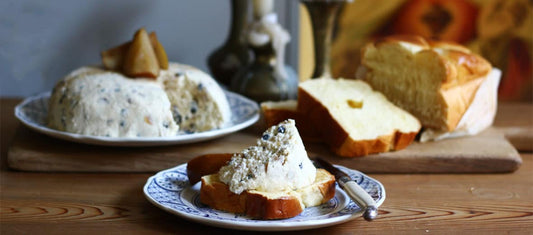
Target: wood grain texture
<point x="487" y="152"/>
<point x="484" y="153"/>
<point x="443" y="203"/>
<point x="113" y="203"/>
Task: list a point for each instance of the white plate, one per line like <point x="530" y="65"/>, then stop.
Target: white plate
<point x="170" y="190"/>
<point x="32" y="112"/>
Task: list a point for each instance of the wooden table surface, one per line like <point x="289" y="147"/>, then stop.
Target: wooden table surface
<point x="90" y="203"/>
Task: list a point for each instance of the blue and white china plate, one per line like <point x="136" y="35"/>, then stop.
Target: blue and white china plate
<point x="170" y="190"/>
<point x="33" y="111"/>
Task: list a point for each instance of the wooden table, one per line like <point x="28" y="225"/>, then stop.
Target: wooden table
<point x="65" y="203"/>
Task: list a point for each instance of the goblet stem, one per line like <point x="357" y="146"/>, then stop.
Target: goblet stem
<point x="323" y="14"/>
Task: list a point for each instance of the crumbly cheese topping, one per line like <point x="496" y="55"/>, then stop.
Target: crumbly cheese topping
<point x="277" y="162"/>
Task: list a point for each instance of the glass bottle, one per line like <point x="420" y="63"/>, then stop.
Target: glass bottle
<point x="226" y="61"/>
<point x="259" y="81"/>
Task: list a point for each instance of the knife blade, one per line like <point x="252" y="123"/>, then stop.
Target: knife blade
<point x="354" y="191"/>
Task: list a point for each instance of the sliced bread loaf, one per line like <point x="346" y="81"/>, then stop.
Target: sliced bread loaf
<point x="353" y="119"/>
<point x="434" y="81"/>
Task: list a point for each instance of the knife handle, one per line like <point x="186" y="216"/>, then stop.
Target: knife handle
<point x="361" y="198"/>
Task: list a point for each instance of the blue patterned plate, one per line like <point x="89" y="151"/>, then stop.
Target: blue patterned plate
<point x="33" y="111"/>
<point x="170" y="190"/>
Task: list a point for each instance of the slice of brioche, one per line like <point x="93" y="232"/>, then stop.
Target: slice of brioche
<point x="267" y="205"/>
<point x="353" y="119"/>
<point x="276" y="111"/>
<point x="205" y="165"/>
<point x="434" y="81"/>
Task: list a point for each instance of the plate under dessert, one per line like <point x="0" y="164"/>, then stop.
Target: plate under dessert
<point x="170" y="190"/>
<point x="32" y="112"/>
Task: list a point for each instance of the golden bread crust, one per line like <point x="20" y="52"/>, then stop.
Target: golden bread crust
<point x="206" y="165"/>
<point x="217" y="195"/>
<point x="259" y="206"/>
<point x="457" y="74"/>
<point x="263" y="205"/>
<point x="338" y="139"/>
<point x="321" y="124"/>
<point x="274" y="115"/>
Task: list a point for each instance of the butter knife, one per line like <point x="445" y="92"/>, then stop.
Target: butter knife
<point x="354" y="191"/>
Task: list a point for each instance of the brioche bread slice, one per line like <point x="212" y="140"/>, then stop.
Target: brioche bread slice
<point x="267" y="205"/>
<point x="353" y="119"/>
<point x="434" y="81"/>
<point x="277" y="111"/>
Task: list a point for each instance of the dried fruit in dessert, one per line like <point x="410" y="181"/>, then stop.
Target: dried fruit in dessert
<point x="140" y="61"/>
<point x="160" y="53"/>
<point x="142" y="57"/>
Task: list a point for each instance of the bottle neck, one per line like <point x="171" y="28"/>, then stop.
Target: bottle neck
<point x="238" y="20"/>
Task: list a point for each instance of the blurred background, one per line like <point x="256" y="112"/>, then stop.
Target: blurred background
<point x="41" y="41"/>
<point x="499" y="30"/>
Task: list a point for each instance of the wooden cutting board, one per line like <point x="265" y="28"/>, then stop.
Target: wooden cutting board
<point x="484" y="153"/>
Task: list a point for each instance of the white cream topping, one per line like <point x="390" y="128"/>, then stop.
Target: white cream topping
<point x="277" y="162"/>
<point x="94" y="101"/>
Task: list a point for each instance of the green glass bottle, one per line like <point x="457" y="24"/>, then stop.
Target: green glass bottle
<point x="228" y="59"/>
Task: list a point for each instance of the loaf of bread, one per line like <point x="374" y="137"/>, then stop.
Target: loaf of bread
<point x="479" y="115"/>
<point x="434" y="81"/>
<point x="353" y="119"/>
